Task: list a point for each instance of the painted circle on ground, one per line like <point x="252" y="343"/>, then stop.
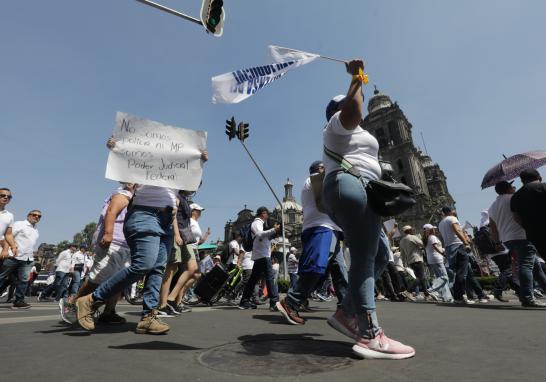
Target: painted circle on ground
<point x="279" y="357"/>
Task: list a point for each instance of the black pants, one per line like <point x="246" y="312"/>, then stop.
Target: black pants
<point x="388" y="286"/>
<point x="422" y="282"/>
<point x="262" y="268"/>
<point x="398" y="283"/>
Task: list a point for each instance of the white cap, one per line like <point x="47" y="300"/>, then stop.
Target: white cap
<point x="195" y="206"/>
<point x="428" y="226"/>
<point x="293" y="249"/>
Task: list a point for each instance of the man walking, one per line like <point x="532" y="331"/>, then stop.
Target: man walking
<point x="6" y="224"/>
<point x="506" y="229"/>
<point x="63" y="268"/>
<point x="321" y="252"/>
<point x="261" y="255"/>
<point x="26" y="236"/>
<point x="78" y="265"/>
<point x="529" y="207"/>
<point x="457" y="248"/>
<point x="411" y="250"/>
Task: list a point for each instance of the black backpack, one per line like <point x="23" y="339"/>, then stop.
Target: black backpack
<point x="484" y="241"/>
<point x="246" y="235"/>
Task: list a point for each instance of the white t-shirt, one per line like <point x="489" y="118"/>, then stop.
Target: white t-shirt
<point x="6" y="221"/>
<point x="433" y="256"/>
<point x="152" y="196"/>
<point x="234" y="250"/>
<point x="196" y="231"/>
<point x="503" y="217"/>
<point x="446" y="230"/>
<point x="64" y="261"/>
<point x="312" y="217"/>
<point x="262" y="239"/>
<point x="247" y="262"/>
<point x="26" y="236"/>
<point x="357" y="146"/>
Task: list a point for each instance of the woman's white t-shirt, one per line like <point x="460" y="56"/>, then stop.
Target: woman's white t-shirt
<point x="433" y="256"/>
<point x="357" y="146"/>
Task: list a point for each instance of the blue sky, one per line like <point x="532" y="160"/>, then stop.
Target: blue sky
<point x="469" y="75"/>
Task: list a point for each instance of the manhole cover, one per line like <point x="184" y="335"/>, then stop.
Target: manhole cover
<point x="278" y="357"/>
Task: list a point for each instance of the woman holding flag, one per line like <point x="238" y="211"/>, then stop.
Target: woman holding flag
<point x="346" y="201"/>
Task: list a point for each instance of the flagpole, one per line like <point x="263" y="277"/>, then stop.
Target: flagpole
<point x="321" y="56"/>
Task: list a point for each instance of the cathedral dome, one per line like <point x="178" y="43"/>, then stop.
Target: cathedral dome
<point x="378" y="101"/>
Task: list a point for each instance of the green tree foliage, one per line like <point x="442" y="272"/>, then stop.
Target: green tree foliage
<point x="85" y="236"/>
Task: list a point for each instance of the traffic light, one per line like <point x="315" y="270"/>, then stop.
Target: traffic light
<point x="213" y="16"/>
<point x="243" y="131"/>
<point x="231" y="128"/>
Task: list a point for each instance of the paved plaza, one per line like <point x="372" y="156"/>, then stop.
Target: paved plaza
<point x="489" y="342"/>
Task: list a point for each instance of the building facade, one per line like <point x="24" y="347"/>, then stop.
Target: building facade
<point x="387" y="122"/>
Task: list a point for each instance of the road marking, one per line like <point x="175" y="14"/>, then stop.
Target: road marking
<point x="21" y="320"/>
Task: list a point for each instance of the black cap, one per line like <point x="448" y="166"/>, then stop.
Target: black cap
<point x="503" y="187"/>
<point x="84" y="246"/>
<point x="261" y="210"/>
<point x="446" y="210"/>
<point x="314" y="168"/>
<point x="528" y="176"/>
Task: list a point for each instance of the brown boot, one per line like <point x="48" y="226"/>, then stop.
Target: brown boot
<point x="151" y="324"/>
<point x="86" y="309"/>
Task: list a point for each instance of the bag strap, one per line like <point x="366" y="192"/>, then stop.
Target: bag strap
<point x="343" y="163"/>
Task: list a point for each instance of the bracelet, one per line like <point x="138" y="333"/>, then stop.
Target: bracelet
<point x="361" y="76"/>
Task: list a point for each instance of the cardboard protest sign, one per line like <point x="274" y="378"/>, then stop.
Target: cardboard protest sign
<point x="154" y="154"/>
<point x="389" y="225"/>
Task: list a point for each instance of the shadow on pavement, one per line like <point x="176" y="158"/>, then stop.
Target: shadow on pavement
<point x="154" y="345"/>
<point x="491" y="307"/>
<point x="76" y="331"/>
<point x="297" y="344"/>
<point x="278" y="319"/>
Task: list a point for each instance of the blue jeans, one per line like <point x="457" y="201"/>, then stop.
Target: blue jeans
<point x="504" y="263"/>
<point x="149" y="235"/>
<point x="458" y="263"/>
<point x="307" y="282"/>
<point x="346" y="201"/>
<point x="525" y="253"/>
<point x="58" y="286"/>
<point x="75" y="283"/>
<point x="441" y="282"/>
<point x="22" y="269"/>
<point x="293" y="279"/>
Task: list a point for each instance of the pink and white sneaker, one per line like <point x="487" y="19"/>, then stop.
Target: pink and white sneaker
<point x="344" y="324"/>
<point x="382" y="347"/>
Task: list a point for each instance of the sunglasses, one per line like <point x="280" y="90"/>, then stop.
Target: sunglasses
<point x="8" y="196"/>
<point x="36" y="215"/>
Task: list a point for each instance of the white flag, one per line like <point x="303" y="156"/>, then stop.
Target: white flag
<point x="238" y="85"/>
<point x="280" y="54"/>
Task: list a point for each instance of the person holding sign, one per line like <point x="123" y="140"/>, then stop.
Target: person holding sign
<point x="148" y="231"/>
<point x="346" y="201"/>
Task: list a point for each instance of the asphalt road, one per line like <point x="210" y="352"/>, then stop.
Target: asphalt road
<point x="489" y="342"/>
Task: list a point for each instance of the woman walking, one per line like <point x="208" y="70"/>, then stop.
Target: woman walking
<point x="346" y="202"/>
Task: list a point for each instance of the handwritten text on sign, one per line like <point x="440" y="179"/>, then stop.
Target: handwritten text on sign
<point x="151" y="153"/>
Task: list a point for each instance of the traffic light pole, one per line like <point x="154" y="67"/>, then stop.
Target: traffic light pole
<point x="280" y="204"/>
<point x="170" y="10"/>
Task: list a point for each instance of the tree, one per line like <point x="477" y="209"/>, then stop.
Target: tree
<point x="63" y="245"/>
<point x="86" y="235"/>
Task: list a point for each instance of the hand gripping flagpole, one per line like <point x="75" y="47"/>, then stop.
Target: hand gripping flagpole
<point x="363" y="76"/>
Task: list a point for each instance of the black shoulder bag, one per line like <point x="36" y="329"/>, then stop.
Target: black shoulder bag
<point x="385" y="198"/>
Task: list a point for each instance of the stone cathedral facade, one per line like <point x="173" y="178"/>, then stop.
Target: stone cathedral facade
<point x="407" y="164"/>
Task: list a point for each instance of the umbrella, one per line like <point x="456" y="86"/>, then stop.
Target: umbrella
<point x="510" y="168"/>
